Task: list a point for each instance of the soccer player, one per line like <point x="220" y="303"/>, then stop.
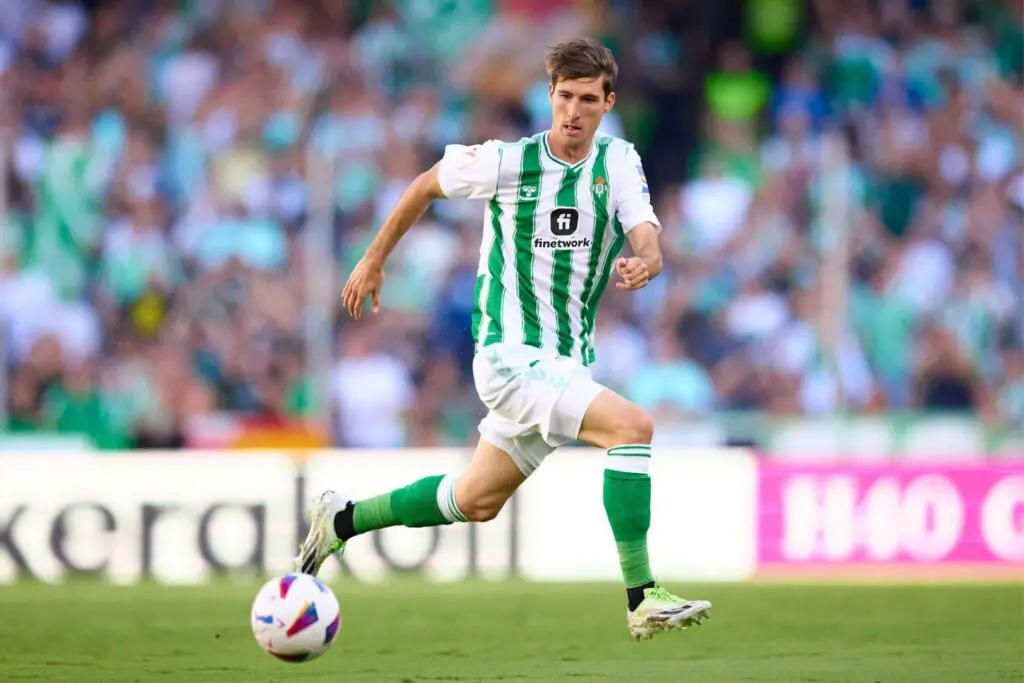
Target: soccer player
<point x="560" y="205"/>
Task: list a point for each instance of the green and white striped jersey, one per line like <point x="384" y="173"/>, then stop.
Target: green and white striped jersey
<point x="552" y="231"/>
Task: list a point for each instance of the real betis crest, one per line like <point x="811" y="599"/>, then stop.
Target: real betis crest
<point x="600" y="187"/>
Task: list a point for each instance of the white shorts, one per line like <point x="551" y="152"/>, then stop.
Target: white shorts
<point x="536" y="400"/>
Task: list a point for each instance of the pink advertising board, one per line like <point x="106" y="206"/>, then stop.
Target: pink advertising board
<point x="891" y="521"/>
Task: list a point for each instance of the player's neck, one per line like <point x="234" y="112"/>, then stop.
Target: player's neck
<point x="563" y="151"/>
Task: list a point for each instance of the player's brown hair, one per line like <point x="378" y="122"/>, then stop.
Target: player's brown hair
<point x="582" y="58"/>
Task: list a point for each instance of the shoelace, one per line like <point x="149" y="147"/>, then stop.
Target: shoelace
<point x="660" y="593"/>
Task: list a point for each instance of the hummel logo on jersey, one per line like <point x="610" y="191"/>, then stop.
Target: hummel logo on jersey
<point x="527" y="192"/>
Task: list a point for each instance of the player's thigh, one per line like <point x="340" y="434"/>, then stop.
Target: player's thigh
<point x="487" y="483"/>
<point x="611" y="420"/>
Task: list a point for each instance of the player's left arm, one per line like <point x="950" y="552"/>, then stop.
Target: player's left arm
<point x="635" y="213"/>
<point x="646" y="263"/>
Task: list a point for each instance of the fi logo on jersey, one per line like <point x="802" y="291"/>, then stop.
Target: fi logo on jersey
<point x="564" y="221"/>
<point x="563" y="225"/>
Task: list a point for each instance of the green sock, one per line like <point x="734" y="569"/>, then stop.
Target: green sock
<point x="427" y="502"/>
<point x="627" y="502"/>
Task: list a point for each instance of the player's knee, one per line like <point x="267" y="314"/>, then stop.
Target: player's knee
<point x="479" y="507"/>
<point x="480" y="510"/>
<point x="635" y="426"/>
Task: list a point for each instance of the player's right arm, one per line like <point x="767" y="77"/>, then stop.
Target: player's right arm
<point x="464" y="172"/>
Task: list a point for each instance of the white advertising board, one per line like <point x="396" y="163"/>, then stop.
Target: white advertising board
<point x="185" y="518"/>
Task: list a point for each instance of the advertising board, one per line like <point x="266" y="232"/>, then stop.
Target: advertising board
<point x="887" y="521"/>
<point x="185" y="518"/>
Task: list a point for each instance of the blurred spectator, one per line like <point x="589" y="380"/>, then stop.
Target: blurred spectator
<point x="372" y="391"/>
<point x="737" y="92"/>
<point x="671" y="383"/>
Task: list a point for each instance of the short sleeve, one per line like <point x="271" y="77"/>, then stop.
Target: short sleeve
<point x="633" y="198"/>
<point x="470" y="172"/>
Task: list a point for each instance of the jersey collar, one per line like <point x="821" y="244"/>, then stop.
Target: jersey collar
<point x="547" y="150"/>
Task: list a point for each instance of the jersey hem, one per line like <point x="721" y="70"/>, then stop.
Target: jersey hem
<point x="478" y="347"/>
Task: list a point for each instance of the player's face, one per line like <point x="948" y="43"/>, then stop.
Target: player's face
<point x="577" y="107"/>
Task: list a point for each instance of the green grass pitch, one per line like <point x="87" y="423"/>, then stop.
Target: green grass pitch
<point x="415" y="631"/>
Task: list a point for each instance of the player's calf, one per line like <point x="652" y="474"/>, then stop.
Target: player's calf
<point x="429" y="501"/>
<point x="625" y="431"/>
<point x="476" y="495"/>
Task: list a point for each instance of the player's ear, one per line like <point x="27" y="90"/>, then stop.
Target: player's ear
<point x="551" y="92"/>
<point x="609" y="102"/>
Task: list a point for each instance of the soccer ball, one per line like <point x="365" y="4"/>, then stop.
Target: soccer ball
<point x="295" y="617"/>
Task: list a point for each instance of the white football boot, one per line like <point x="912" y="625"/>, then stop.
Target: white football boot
<point x="321" y="541"/>
<point x="662" y="611"/>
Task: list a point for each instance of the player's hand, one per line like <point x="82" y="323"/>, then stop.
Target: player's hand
<point x="633" y="272"/>
<point x="365" y="281"/>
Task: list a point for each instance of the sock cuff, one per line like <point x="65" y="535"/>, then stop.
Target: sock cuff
<point x="446" y="500"/>
<point x="634" y="459"/>
<point x="634" y="450"/>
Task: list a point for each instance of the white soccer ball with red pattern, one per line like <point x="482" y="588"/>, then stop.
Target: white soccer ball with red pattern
<point x="295" y="617"/>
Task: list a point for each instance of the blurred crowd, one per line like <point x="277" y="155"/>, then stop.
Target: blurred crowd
<point x="187" y="184"/>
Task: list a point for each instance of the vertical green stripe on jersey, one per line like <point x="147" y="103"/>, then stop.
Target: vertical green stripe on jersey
<point x="527" y="191"/>
<point x="599" y="170"/>
<point x="561" y="273"/>
<point x="478" y="289"/>
<point x="495" y="269"/>
<point x="595" y="296"/>
<point x="488" y="284"/>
